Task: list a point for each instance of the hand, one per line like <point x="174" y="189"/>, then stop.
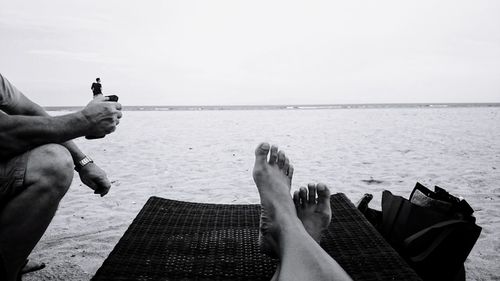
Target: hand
<point x="102" y="116"/>
<point x="95" y="178"/>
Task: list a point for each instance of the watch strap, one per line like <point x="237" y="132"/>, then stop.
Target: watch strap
<point x="83" y="162"/>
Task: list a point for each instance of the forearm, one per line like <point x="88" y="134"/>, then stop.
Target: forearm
<point x="29" y="125"/>
<point x="20" y="133"/>
<point x="76" y="153"/>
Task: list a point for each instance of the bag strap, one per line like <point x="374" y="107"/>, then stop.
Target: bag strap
<point x="445" y="228"/>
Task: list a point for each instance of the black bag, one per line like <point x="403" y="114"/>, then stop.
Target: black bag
<point x="433" y="231"/>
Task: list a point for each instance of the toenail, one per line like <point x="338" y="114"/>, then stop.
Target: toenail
<point x="265" y="146"/>
<point x="321" y="187"/>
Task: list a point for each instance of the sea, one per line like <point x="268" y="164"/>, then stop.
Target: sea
<point x="283" y="107"/>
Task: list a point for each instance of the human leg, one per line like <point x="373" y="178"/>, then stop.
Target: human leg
<point x="25" y="217"/>
<point x="301" y="257"/>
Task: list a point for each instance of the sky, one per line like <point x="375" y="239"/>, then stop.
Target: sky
<point x="231" y="52"/>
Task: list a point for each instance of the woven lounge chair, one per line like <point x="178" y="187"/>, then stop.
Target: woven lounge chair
<point x="173" y="240"/>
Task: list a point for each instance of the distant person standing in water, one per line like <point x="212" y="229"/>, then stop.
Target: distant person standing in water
<point x="97" y="87"/>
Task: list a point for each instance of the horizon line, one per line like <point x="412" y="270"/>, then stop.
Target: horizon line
<point x="300" y="106"/>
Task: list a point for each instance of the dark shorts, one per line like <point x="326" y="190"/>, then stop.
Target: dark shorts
<point x="12" y="173"/>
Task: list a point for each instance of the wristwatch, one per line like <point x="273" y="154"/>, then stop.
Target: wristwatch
<point x="82" y="163"/>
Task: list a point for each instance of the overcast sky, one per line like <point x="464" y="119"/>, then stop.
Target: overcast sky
<point x="207" y="52"/>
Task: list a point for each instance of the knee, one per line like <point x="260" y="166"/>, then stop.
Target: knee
<point x="50" y="167"/>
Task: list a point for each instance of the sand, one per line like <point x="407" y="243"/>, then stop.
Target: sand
<point x="207" y="156"/>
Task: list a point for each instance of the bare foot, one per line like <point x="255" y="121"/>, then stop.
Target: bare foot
<point x="273" y="178"/>
<point x="313" y="208"/>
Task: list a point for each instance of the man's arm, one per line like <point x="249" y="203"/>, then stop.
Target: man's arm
<point x="25" y="106"/>
<point x="97" y="118"/>
<point x="21" y="133"/>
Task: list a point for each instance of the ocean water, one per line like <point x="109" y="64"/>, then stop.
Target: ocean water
<point x="457" y="148"/>
<point x="283" y="107"/>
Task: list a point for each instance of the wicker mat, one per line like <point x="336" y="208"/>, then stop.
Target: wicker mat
<point x="173" y="240"/>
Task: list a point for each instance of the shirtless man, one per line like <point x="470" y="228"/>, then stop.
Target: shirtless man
<point x="37" y="158"/>
<point x="291" y="231"/>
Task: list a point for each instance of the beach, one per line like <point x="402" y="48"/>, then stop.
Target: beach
<point x="207" y="156"/>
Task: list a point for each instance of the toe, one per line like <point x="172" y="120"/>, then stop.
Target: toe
<point x="281" y="159"/>
<point x="296" y="199"/>
<point x="261" y="153"/>
<point x="290" y="172"/>
<point x="312" y="193"/>
<point x="323" y="193"/>
<point x="273" y="156"/>
<point x="303" y="196"/>
<point x="286" y="165"/>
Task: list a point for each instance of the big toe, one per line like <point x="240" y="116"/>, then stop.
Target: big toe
<point x="323" y="193"/>
<point x="261" y="153"/>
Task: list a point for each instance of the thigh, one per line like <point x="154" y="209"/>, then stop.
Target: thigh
<point x="12" y="174"/>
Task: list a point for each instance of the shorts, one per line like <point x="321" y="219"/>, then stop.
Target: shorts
<point x="12" y="173"/>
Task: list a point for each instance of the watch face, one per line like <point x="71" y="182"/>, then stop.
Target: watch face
<point x="82" y="163"/>
<point x="85" y="161"/>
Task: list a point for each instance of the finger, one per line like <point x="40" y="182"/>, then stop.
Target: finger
<point x="103" y="187"/>
<point x="100" y="98"/>
<point x="118" y="106"/>
<point x="101" y="184"/>
<point x="104" y="192"/>
<point x="112" y="129"/>
<point x="119" y="114"/>
<point x="113" y="98"/>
